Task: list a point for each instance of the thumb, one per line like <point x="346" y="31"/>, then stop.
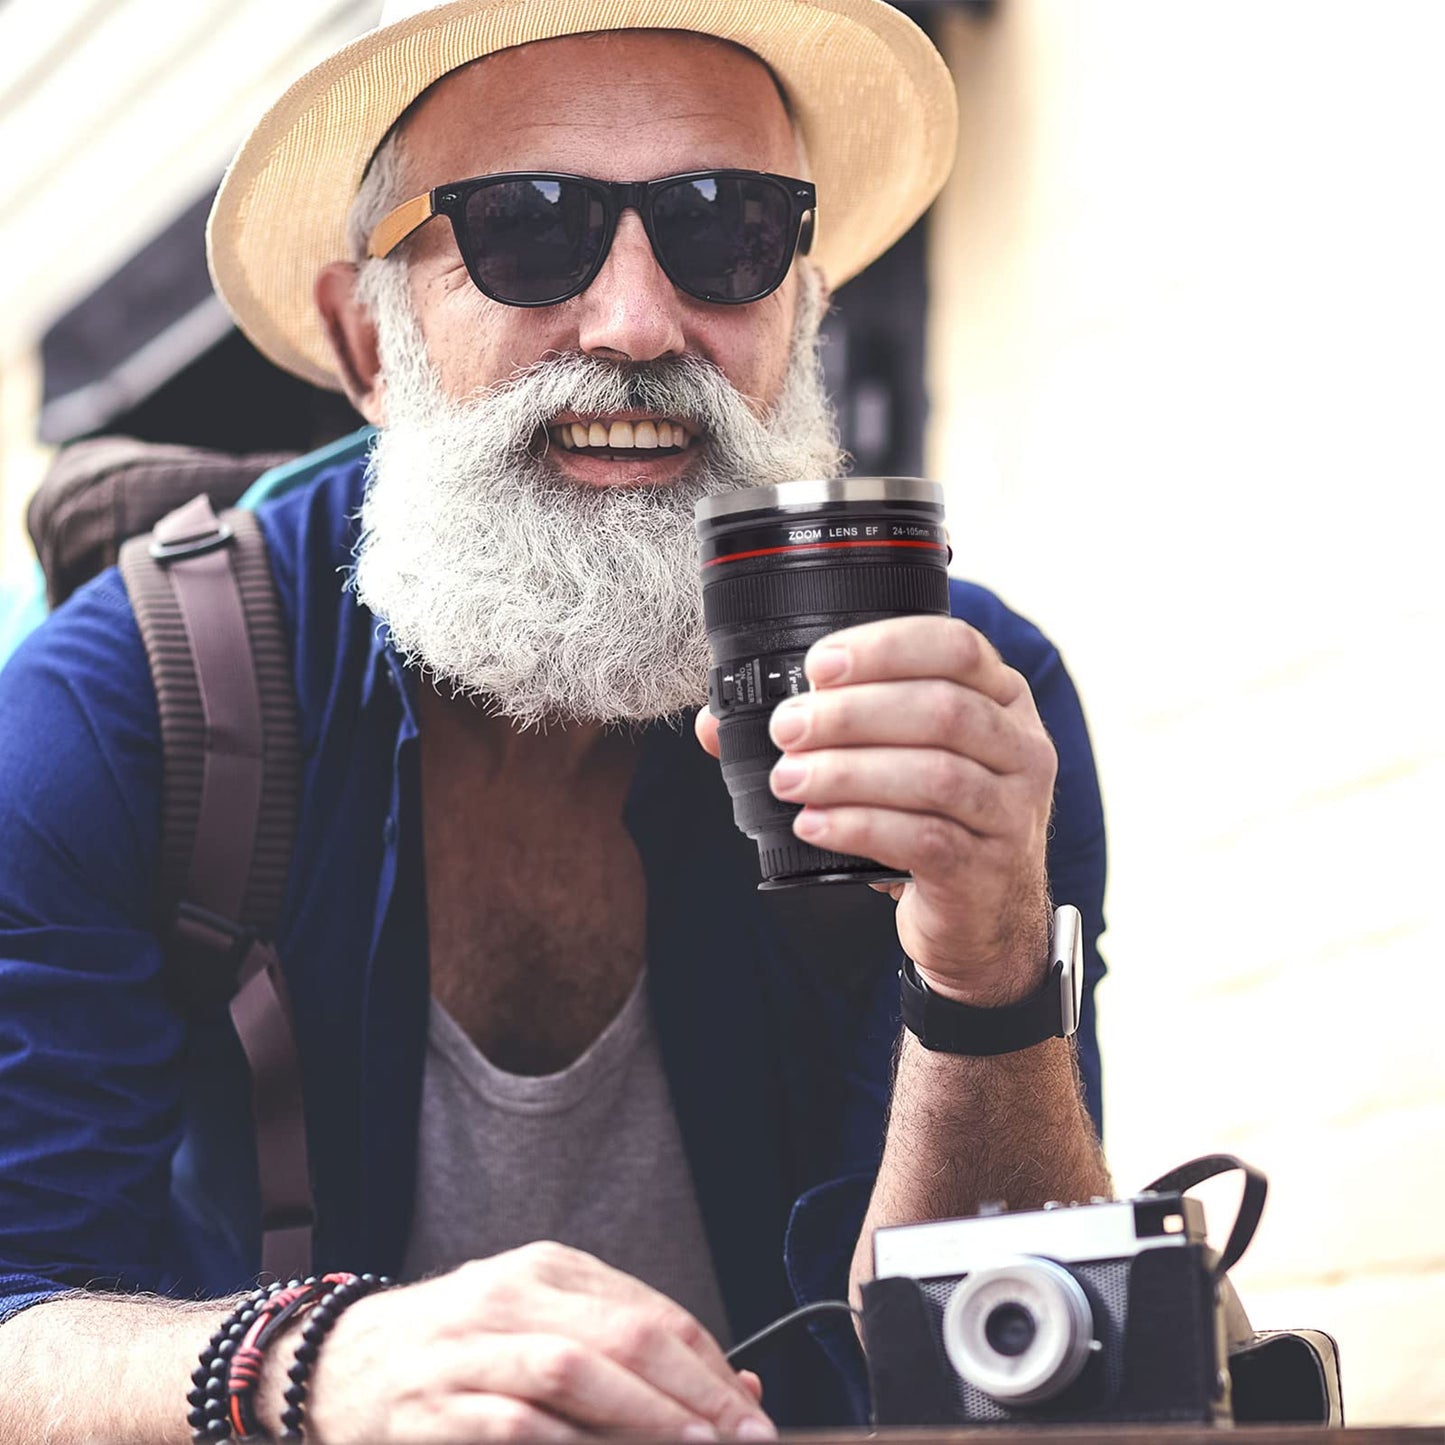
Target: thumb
<point x="752" y="1384"/>
<point x="705" y="726"/>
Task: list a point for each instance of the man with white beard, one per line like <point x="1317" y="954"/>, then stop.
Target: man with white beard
<point x="563" y="1077"/>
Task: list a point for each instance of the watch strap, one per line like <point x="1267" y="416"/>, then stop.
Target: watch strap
<point x="950" y="1027"/>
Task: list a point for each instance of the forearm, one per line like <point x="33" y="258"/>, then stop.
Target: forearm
<point x="962" y="1131"/>
<point x="87" y="1367"/>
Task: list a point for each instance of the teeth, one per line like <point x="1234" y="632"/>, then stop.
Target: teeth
<point x="621" y="435"/>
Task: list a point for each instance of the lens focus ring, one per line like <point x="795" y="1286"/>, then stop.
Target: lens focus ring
<point x="748" y="737"/>
<point x="758" y="596"/>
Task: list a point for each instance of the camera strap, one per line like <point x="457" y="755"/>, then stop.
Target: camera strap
<point x="1251" y="1203"/>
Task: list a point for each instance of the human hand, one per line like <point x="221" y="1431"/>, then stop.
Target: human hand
<point x="920" y="748"/>
<point x="543" y="1342"/>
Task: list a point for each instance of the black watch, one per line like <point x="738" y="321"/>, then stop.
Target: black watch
<point x="1052" y="1013"/>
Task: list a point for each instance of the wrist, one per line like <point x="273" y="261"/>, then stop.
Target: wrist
<point x="1004" y="977"/>
<point x="272" y="1384"/>
<point x="1002" y="985"/>
<point x="253" y="1378"/>
<point x="1007" y="1017"/>
<point x="355" y="1350"/>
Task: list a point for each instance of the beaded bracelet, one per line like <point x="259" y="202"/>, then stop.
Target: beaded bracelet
<point x="243" y="1370"/>
<point x="207" y="1398"/>
<point x="345" y="1292"/>
<point x="213" y="1401"/>
<point x="222" y="1398"/>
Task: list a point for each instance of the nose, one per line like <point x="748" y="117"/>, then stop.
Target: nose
<point x="631" y="312"/>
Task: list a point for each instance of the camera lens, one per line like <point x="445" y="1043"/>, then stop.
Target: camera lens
<point x="1010" y="1328"/>
<point x="782" y="567"/>
<point x="1020" y="1331"/>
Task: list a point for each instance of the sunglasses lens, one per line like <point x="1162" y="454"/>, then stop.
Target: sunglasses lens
<point x="724" y="238"/>
<point x="533" y="241"/>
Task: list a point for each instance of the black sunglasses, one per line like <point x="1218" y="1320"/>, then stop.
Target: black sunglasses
<point x="534" y="238"/>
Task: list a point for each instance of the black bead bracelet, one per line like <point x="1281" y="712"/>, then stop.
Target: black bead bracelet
<point x="222" y="1399"/>
<point x="243" y="1369"/>
<point x="208" y="1399"/>
<point x="319" y="1322"/>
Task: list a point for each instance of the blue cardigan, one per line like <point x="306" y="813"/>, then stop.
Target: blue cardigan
<point x="126" y="1159"/>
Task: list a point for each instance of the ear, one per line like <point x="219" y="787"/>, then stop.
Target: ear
<point x="825" y="290"/>
<point x="352" y="334"/>
<point x="812" y="275"/>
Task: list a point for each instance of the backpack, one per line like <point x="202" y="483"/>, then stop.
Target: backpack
<point x="100" y="492"/>
<point x="199" y="580"/>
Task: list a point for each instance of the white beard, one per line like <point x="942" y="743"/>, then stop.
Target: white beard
<point x="548" y="601"/>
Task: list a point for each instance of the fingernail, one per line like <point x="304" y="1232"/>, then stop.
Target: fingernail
<point x="826" y="664"/>
<point x="756" y="1427"/>
<point x="789" y="723"/>
<point x="787" y="776"/>
<point x="699" y="1430"/>
<point x="810" y="824"/>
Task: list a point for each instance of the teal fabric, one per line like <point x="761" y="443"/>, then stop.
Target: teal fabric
<point x="22" y="607"/>
<point x="295" y="473"/>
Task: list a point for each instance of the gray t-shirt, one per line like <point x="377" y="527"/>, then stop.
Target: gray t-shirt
<point x="590" y="1157"/>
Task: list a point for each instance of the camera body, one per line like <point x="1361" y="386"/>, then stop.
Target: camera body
<point x="1100" y="1312"/>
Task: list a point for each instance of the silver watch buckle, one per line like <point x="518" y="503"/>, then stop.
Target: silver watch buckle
<point x="1066" y="953"/>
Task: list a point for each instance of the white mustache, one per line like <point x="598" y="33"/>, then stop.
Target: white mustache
<point x="511" y="413"/>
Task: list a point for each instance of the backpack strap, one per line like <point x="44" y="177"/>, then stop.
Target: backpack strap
<point x="208" y="613"/>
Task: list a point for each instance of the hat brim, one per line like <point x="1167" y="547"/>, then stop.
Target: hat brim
<point x="873" y="97"/>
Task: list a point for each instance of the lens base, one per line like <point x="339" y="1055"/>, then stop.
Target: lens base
<point x="787" y="862"/>
<point x="806" y="880"/>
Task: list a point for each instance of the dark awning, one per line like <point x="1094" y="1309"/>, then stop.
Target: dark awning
<point x="143" y="324"/>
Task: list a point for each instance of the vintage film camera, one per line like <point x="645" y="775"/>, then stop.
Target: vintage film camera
<point x="1109" y="1311"/>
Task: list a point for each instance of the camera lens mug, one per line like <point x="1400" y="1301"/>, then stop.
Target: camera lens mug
<point x="782" y="567"/>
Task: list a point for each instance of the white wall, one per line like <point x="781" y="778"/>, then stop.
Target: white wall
<point x="1187" y="358"/>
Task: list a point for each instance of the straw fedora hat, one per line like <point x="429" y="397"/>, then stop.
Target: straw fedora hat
<point x="875" y="102"/>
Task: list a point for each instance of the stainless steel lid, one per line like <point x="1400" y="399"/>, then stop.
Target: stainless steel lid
<point x="814" y="492"/>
